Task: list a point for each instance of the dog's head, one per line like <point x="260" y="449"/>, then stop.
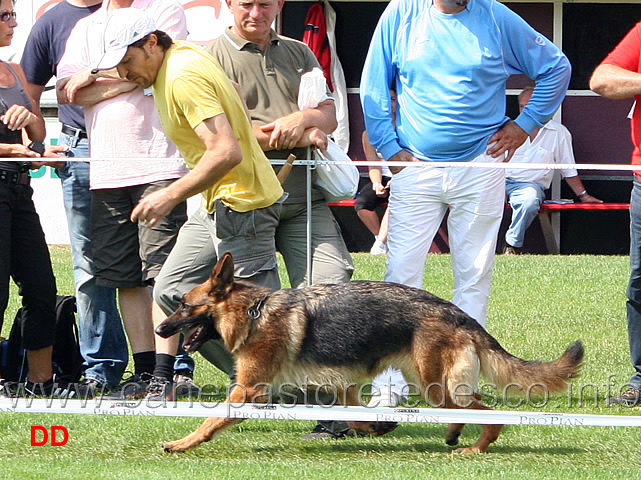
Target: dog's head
<point x="200" y="310"/>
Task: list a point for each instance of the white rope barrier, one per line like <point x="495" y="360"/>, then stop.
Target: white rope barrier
<point x="363" y="163"/>
<point x="163" y="408"/>
<point x="99" y="406"/>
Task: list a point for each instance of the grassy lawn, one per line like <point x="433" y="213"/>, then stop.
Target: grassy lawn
<point x="539" y="304"/>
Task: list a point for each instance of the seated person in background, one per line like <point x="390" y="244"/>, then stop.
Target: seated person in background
<point x="526" y="188"/>
<point x="376" y="192"/>
<point x="373" y="195"/>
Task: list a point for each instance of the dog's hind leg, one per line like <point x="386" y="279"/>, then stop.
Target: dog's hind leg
<point x="213" y="426"/>
<point x="489" y="434"/>
<point x="469" y="400"/>
<point x="448" y="384"/>
<point x="366" y="428"/>
<point x="461" y="382"/>
<point x="434" y="393"/>
<point x="461" y="396"/>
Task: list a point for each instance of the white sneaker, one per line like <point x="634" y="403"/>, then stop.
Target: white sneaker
<point x="379" y="248"/>
<point x="386" y="399"/>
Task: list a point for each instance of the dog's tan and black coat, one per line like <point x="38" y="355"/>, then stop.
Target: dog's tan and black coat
<point x="347" y="333"/>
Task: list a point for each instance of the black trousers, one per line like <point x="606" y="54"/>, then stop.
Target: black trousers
<point x="24" y="257"/>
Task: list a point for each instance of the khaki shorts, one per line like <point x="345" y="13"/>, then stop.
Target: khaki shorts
<point x="128" y="254"/>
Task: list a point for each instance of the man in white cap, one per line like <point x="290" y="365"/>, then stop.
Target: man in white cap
<point x="203" y="114"/>
<point x="122" y="122"/>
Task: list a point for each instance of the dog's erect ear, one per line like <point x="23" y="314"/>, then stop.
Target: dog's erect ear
<point x="222" y="276"/>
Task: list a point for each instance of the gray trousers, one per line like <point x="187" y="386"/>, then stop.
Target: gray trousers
<point x="331" y="262"/>
<point x="249" y="236"/>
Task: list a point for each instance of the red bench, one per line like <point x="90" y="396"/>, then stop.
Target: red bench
<point x="550" y="219"/>
<point x="544" y="206"/>
<point x="549" y="216"/>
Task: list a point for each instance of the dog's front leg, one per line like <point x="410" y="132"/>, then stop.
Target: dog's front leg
<point x="212" y="426"/>
<point x="207" y="430"/>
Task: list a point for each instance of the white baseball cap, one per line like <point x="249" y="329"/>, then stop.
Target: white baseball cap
<point x="124" y="26"/>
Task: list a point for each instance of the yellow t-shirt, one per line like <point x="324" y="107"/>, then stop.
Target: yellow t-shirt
<point x="190" y="88"/>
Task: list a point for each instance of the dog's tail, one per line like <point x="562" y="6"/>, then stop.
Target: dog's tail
<point x="503" y="368"/>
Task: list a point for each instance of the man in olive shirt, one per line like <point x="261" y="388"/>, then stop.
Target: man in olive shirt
<point x="268" y="68"/>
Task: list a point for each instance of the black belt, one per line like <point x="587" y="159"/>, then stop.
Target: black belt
<point x="14" y="178"/>
<point x="73" y="131"/>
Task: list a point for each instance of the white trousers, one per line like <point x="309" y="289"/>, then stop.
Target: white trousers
<point x="419" y="198"/>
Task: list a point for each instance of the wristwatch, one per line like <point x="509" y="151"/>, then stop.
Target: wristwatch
<point x="37" y="147"/>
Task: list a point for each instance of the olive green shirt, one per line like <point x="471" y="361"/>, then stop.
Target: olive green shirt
<point x="269" y="82"/>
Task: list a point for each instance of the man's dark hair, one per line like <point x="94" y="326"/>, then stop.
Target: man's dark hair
<point x="164" y="40"/>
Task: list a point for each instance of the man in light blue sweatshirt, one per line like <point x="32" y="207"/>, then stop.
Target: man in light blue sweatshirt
<point x="449" y="61"/>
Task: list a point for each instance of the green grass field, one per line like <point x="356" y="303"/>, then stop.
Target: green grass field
<point x="539" y="304"/>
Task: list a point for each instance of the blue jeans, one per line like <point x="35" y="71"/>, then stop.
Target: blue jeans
<point x="102" y="339"/>
<point x="633" y="292"/>
<point x="525" y="199"/>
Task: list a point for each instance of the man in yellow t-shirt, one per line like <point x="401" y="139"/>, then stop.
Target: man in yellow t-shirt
<point x="202" y="113"/>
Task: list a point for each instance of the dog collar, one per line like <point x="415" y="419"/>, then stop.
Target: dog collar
<point x="254" y="311"/>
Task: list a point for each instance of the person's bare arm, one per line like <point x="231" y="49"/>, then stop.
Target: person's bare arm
<point x="375" y="173"/>
<point x="18" y="117"/>
<point x="222" y="154"/>
<point x="35" y="91"/>
<point x="612" y="81"/>
<point x="578" y="188"/>
<point x="297" y="128"/>
<point x="506" y="140"/>
<point x="84" y="89"/>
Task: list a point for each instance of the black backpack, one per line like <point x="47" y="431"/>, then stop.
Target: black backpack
<point x="66" y="357"/>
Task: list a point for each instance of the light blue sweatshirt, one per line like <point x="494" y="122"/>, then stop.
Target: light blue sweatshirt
<point x="450" y="73"/>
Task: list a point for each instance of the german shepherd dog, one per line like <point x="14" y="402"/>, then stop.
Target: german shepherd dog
<point x="348" y="332"/>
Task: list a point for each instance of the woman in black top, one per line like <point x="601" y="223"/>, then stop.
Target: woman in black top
<point x="24" y="255"/>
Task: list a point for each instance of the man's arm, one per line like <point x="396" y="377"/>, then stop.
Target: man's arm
<point x="35" y="91"/>
<point x="83" y="89"/>
<point x="615" y="82"/>
<point x="222" y="154"/>
<point x="506" y="140"/>
<point x="375" y="173"/>
<point x="299" y="129"/>
<point x="579" y="190"/>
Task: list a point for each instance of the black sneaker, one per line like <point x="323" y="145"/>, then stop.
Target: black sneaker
<point x="85" y="390"/>
<point x="320" y="431"/>
<point x="160" y="388"/>
<point x="630" y="398"/>
<point x="134" y="387"/>
<point x="51" y="388"/>
<point x="185" y="386"/>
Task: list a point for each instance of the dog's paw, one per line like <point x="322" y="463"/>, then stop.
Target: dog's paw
<point x="469" y="450"/>
<point x="173" y="447"/>
<point x="384" y="427"/>
<point x="381" y="428"/>
<point x="452" y="439"/>
<point x="372" y="428"/>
